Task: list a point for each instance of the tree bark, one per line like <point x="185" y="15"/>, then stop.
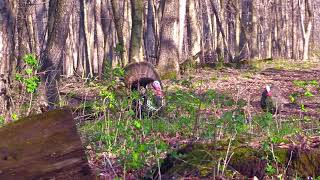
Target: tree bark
<point x="306" y="31"/>
<point x="293" y="31"/>
<point x="119" y="22"/>
<point x="137" y="10"/>
<point x="169" y="40"/>
<point x="150" y="34"/>
<point x="6" y="56"/>
<point x="224" y="39"/>
<point x="54" y="53"/>
<point x="182" y="17"/>
<point x="254" y="31"/>
<point x="194" y="30"/>
<point x="22" y="33"/>
<point x="99" y="38"/>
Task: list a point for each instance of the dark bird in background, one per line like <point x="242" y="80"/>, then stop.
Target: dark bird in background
<point x="143" y="77"/>
<point x="272" y="99"/>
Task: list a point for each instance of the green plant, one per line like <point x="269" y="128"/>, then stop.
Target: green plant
<point x="300" y="83"/>
<point x="302" y="107"/>
<point x="270" y="170"/>
<point x="307" y="87"/>
<point x="29" y="77"/>
<point x="2" y="120"/>
<point x="119" y="49"/>
<point x="127" y="139"/>
<point x="14" y="116"/>
<point x="293" y="97"/>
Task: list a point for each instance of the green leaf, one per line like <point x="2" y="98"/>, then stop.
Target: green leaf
<point x="276" y="139"/>
<point x="303" y="108"/>
<point x="308" y="94"/>
<point x="30" y="59"/>
<point x="18" y="77"/>
<point x="1" y="120"/>
<point x="118" y="71"/>
<point x="131" y="112"/>
<point x="270" y="169"/>
<point x="300" y="83"/>
<point x="314" y="82"/>
<point x="142" y="147"/>
<point x="29" y="71"/>
<point x="137" y="124"/>
<point x="292" y="98"/>
<point x="135" y="156"/>
<point x="14" y="116"/>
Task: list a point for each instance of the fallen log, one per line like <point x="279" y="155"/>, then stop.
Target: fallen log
<point x="45" y="146"/>
<point x="203" y="160"/>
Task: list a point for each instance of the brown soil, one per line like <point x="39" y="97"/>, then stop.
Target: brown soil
<point x="249" y="86"/>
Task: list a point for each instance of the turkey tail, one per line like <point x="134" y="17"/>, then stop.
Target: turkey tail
<point x="140" y="74"/>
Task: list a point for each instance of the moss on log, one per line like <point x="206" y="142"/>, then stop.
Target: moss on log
<point x="45" y="146"/>
<point x="202" y="160"/>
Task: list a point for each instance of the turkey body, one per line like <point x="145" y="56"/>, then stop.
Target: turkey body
<point x="139" y="77"/>
<point x="273" y="101"/>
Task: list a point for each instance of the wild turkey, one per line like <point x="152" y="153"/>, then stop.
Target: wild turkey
<point x="143" y="77"/>
<point x="272" y="99"/>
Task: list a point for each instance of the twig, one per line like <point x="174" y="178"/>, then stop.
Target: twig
<point x="289" y="162"/>
<point x="110" y="164"/>
<point x="226" y="161"/>
<point x="30" y="104"/>
<point x="158" y="163"/>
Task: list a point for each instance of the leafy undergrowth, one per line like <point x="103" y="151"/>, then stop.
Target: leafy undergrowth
<point x="206" y="106"/>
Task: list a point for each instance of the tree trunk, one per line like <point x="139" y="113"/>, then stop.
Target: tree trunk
<point x="169" y="40"/>
<point x="158" y="8"/>
<point x="293" y="31"/>
<point x="193" y="29"/>
<point x="54" y="53"/>
<point x="150" y="34"/>
<point x="6" y="56"/>
<point x="22" y="33"/>
<point x="119" y="22"/>
<point x="224" y="38"/>
<point x="84" y="41"/>
<point x="306" y="31"/>
<point x="99" y="38"/>
<point x="45" y="146"/>
<point x="253" y="31"/>
<point x="136" y="53"/>
<point x="182" y="17"/>
<point x="109" y="35"/>
<point x="274" y="31"/>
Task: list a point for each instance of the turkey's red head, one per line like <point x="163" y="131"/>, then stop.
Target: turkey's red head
<point x="268" y="89"/>
<point x="157" y="87"/>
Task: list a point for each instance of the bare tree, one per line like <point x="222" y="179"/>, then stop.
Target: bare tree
<point x="306" y="26"/>
<point x="293" y="31"/>
<point x="221" y="28"/>
<point x="54" y="53"/>
<point x="136" y="53"/>
<point x="6" y="55"/>
<point x="193" y="27"/>
<point x="119" y="22"/>
<point x="23" y="47"/>
<point x="169" y="39"/>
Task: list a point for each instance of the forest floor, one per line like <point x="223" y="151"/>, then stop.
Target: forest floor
<point x="248" y="84"/>
<point x="298" y="81"/>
